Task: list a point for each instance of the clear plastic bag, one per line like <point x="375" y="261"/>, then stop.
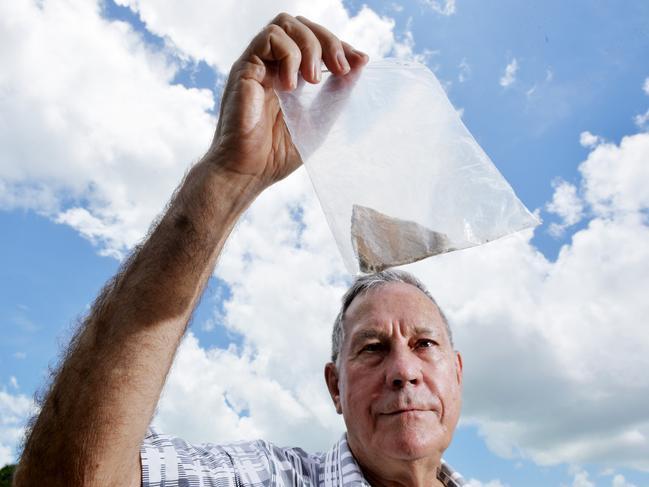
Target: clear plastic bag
<point x="397" y="173"/>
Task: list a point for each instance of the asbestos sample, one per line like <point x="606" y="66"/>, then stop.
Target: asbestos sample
<point x="381" y="241"/>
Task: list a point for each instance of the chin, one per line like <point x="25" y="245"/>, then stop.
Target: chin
<point x="413" y="445"/>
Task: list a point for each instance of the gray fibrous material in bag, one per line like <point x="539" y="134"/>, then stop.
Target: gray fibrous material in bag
<point x="397" y="173"/>
<point x="381" y="241"/>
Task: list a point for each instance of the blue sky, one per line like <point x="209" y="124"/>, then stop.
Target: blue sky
<point x="536" y="314"/>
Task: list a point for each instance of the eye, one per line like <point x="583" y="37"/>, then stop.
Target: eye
<point x="372" y="347"/>
<point x="426" y="343"/>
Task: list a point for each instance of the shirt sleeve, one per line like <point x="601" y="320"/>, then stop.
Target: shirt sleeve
<point x="168" y="461"/>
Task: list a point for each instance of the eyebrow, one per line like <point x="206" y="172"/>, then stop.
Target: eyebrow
<point x="372" y="333"/>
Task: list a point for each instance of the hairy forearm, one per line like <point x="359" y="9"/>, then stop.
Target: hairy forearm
<point x="100" y="403"/>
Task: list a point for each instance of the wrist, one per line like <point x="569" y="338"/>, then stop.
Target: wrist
<point x="224" y="165"/>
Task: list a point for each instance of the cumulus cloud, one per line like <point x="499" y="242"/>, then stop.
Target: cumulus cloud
<point x="574" y="343"/>
<point x="620" y="481"/>
<point x="286" y="279"/>
<point x="14" y="410"/>
<point x="94" y="103"/>
<point x="555" y="351"/>
<point x="567" y="205"/>
<point x="492" y="483"/>
<point x="614" y="176"/>
<point x="552" y="394"/>
<point x="85" y="103"/>
<point x="586" y="139"/>
<point x="464" y="71"/>
<point x="549" y="75"/>
<point x="96" y="135"/>
<point x="443" y="7"/>
<point x="217" y="31"/>
<point x="581" y="480"/>
<point x="509" y="76"/>
<point x="641" y="119"/>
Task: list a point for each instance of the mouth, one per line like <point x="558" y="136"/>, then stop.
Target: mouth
<point x="412" y="411"/>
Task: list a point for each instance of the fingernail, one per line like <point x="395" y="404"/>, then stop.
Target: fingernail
<point x="360" y="53"/>
<point x="316" y="71"/>
<point x="294" y="80"/>
<point x="342" y="61"/>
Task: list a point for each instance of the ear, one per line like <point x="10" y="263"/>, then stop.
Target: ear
<point x="331" y="377"/>
<point x="458" y="367"/>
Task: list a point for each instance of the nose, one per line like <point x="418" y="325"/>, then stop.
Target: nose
<point x="403" y="368"/>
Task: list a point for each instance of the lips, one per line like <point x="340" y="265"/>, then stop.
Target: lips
<point x="407" y="405"/>
<point x="406" y="410"/>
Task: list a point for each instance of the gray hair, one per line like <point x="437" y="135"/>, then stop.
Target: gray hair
<point x="362" y="285"/>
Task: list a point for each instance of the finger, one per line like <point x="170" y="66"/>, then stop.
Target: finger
<point x="307" y="42"/>
<point x="333" y="53"/>
<point x="273" y="44"/>
<point x="355" y="57"/>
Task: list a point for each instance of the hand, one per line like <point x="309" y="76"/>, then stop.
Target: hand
<point x="251" y="136"/>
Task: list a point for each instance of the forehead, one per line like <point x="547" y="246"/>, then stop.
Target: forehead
<point x="390" y="303"/>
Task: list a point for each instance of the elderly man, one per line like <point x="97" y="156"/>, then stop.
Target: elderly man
<point x="394" y="375"/>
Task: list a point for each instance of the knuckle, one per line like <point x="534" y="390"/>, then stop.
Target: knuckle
<point x="282" y="19"/>
<point x="334" y="45"/>
<point x="309" y="50"/>
<point x="296" y="53"/>
<point x="273" y="29"/>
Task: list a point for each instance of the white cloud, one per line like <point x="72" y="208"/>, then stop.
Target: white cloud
<point x="492" y="483"/>
<point x="92" y="133"/>
<point x="614" y="176"/>
<point x="567" y="205"/>
<point x="443" y="7"/>
<point x="14" y="411"/>
<point x="286" y="280"/>
<point x="581" y="480"/>
<point x="551" y="348"/>
<point x="218" y="32"/>
<point x="13" y="382"/>
<point x="566" y="340"/>
<point x="509" y="76"/>
<point x="464" y="71"/>
<point x="266" y="238"/>
<point x="620" y="481"/>
<point x="586" y="139"/>
<point x="95" y="136"/>
<point x="641" y="119"/>
<point x="549" y="75"/>
<point x="108" y="136"/>
<point x="551" y="394"/>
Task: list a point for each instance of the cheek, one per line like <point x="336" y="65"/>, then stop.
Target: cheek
<point x="444" y="382"/>
<point x="442" y="379"/>
<point x="361" y="389"/>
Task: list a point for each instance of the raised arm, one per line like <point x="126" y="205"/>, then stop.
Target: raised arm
<point x="99" y="406"/>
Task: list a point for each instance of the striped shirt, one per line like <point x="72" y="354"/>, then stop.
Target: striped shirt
<point x="171" y="462"/>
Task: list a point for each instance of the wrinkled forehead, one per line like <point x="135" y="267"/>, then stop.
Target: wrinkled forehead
<point x="389" y="304"/>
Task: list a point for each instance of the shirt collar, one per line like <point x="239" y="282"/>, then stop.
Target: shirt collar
<point x="341" y="470"/>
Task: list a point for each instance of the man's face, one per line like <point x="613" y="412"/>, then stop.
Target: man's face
<point x="399" y="380"/>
